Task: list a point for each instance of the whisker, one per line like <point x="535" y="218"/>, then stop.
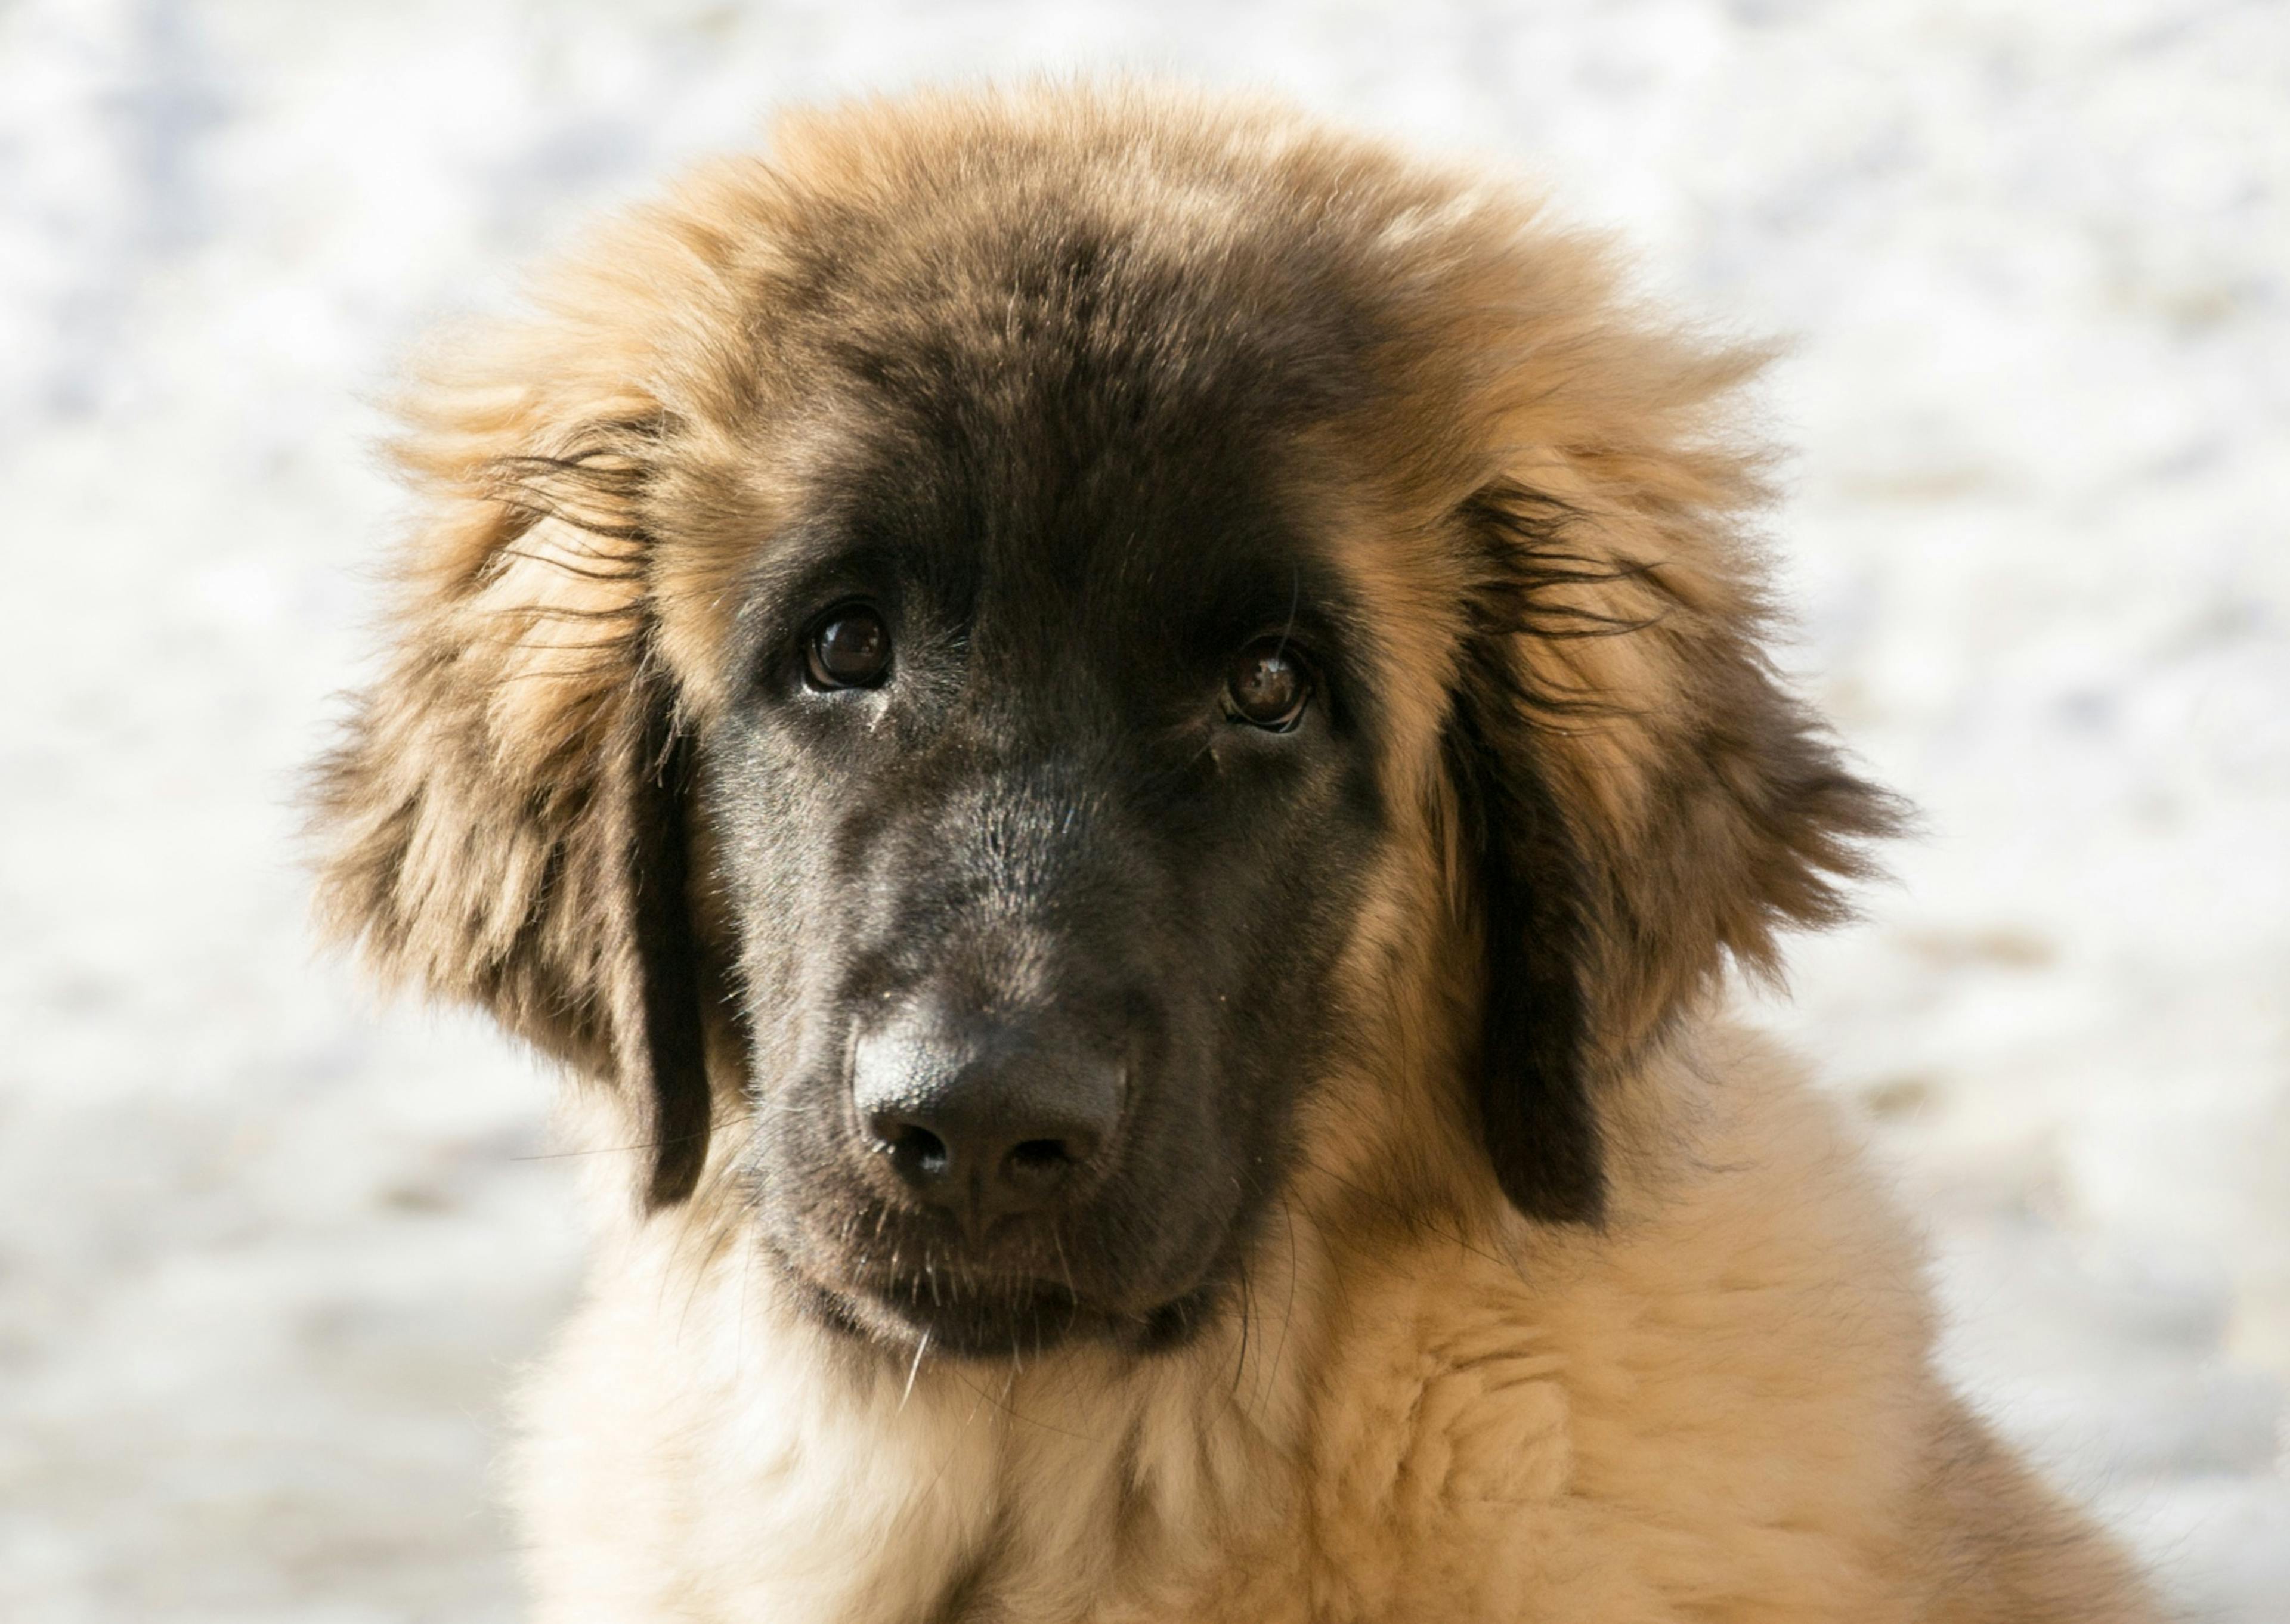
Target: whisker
<point x="912" y="1369"/>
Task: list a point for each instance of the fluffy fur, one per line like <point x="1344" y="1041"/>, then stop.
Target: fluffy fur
<point x="1572" y="1302"/>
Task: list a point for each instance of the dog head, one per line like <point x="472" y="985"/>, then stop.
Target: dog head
<point x="968" y="669"/>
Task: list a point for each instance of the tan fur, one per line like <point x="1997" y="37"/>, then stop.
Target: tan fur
<point x="1716" y="1405"/>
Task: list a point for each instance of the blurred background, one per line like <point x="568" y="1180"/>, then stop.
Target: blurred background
<point x="270" y="1254"/>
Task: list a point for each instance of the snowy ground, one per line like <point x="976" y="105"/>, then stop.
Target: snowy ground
<point x="267" y="1255"/>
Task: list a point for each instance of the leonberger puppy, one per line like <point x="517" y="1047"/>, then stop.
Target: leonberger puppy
<point x="1130" y="741"/>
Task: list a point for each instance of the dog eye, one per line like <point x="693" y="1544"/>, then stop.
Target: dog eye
<point x="849" y="648"/>
<point x="1269" y="686"/>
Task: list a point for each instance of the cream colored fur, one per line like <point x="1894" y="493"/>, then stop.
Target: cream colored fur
<point x="1721" y="1409"/>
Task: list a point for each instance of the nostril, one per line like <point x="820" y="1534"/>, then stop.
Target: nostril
<point x="1037" y="1164"/>
<point x="1041" y="1152"/>
<point x="981" y="1118"/>
<point x="925" y="1149"/>
<point x="917" y="1152"/>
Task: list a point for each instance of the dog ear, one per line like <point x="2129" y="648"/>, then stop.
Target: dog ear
<point x="660" y="1050"/>
<point x="504" y="821"/>
<point x="1642" y="799"/>
<point x="1532" y="1084"/>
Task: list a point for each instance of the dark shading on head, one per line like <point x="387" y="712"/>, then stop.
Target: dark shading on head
<point x="921" y="665"/>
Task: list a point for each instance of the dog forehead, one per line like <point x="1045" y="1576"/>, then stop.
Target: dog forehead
<point x="1082" y="438"/>
<point x="1110" y="412"/>
<point x="1023" y="293"/>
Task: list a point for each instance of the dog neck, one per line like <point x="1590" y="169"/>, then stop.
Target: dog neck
<point x="770" y="1466"/>
<point x="1378" y="1398"/>
<point x="797" y="1475"/>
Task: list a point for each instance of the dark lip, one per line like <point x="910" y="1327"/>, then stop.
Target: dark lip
<point x="1038" y="1316"/>
<point x="967" y="1318"/>
<point x="985" y="1312"/>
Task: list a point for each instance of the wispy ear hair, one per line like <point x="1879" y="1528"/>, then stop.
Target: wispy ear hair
<point x="1626" y="838"/>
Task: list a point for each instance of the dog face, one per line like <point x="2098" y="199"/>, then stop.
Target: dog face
<point x="1041" y="814"/>
<point x="1016" y="678"/>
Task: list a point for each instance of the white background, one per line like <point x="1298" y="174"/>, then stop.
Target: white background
<point x="268" y="1255"/>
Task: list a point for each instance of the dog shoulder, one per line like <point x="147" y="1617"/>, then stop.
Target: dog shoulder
<point x="1721" y="1407"/>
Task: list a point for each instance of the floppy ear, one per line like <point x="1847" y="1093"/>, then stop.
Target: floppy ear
<point x="504" y="820"/>
<point x="1533" y="1088"/>
<point x="1642" y="799"/>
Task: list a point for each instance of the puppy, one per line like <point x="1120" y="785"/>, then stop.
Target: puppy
<point x="1128" y="741"/>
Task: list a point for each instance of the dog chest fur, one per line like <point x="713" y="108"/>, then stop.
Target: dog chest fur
<point x="1707" y="1415"/>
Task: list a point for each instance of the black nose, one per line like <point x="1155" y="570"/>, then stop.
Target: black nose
<point x="984" y="1118"/>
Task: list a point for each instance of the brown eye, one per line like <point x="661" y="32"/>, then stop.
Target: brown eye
<point x="1269" y="686"/>
<point x="851" y="648"/>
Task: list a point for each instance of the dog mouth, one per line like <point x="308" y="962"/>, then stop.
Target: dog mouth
<point x="902" y="1281"/>
<point x="972" y="1318"/>
<point x="959" y="1315"/>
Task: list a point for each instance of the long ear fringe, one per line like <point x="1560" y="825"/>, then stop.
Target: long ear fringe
<point x="550" y="889"/>
<point x="1720" y="812"/>
<point x="503" y="820"/>
<point x="1629" y="839"/>
<point x="501" y="823"/>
